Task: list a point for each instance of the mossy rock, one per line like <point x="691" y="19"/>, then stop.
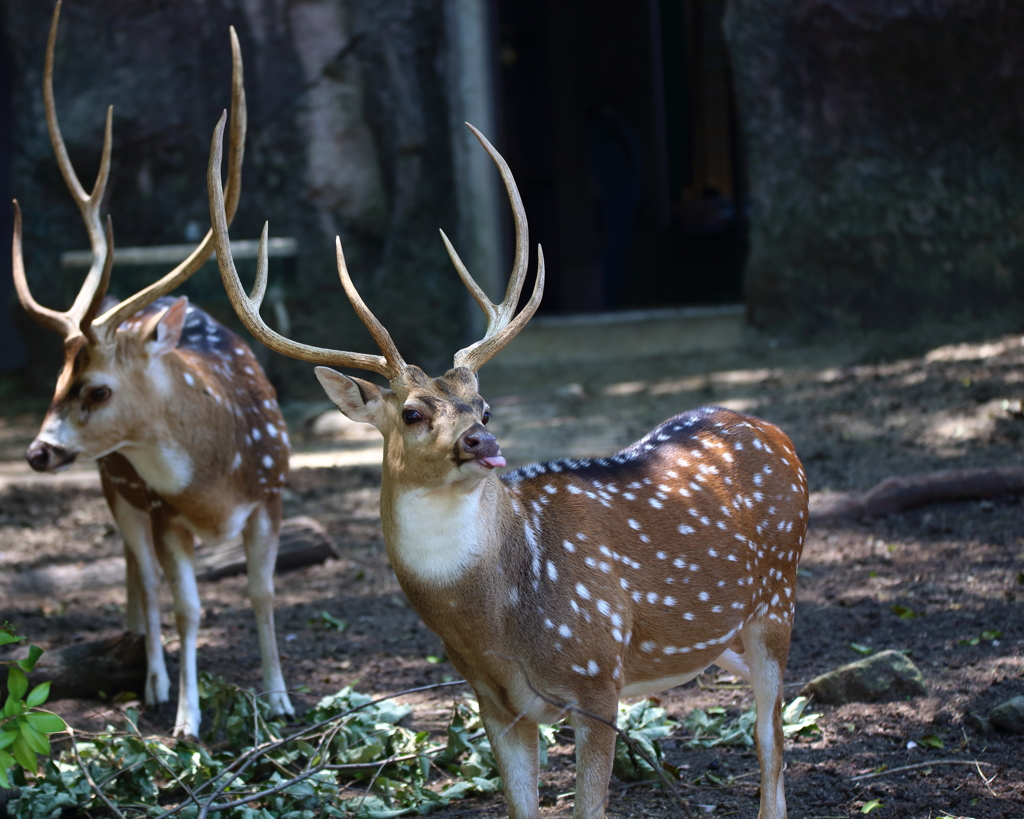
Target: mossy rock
<point x="1009" y="716"/>
<point x="887" y="675"/>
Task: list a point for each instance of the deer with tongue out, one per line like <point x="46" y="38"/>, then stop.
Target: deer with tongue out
<point x="560" y="587"/>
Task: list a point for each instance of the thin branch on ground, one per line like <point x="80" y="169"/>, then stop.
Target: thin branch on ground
<point x="210" y="805"/>
<point x="987" y="780"/>
<point x="916" y="765"/>
<point x="89" y="779"/>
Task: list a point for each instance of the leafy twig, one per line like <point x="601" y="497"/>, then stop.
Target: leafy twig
<point x="88" y="777"/>
<point x="247" y="759"/>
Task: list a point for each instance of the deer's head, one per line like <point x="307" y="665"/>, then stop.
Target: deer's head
<point x="434" y="428"/>
<point x="107" y="390"/>
<point x="113" y="366"/>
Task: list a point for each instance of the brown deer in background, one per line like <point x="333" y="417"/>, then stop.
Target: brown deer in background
<point x="560" y="587"/>
<point x="184" y="425"/>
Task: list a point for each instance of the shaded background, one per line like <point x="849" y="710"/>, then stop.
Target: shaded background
<point x="833" y="165"/>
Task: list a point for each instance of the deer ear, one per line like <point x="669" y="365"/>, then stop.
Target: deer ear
<point x="357" y="399"/>
<point x="163" y="331"/>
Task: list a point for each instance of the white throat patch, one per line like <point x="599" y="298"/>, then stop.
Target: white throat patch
<point x="439" y="535"/>
<point x="165" y="467"/>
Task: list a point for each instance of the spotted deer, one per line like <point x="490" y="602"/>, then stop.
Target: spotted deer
<point x="560" y="587"/>
<point x="183" y="424"/>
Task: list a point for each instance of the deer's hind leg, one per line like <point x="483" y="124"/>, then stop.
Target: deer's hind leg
<point x="766" y="648"/>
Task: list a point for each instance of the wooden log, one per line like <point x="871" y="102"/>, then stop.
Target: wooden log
<point x="898" y="494"/>
<point x="304" y="542"/>
<point x="84" y="670"/>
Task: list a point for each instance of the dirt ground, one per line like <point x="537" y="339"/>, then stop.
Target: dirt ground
<point x="858" y="412"/>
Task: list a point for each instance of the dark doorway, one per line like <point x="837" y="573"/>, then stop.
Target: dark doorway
<point x="618" y="121"/>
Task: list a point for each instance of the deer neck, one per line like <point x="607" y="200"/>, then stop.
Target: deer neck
<point x="151" y="446"/>
<point x="442" y="537"/>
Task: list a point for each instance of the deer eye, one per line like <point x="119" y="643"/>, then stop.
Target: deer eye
<point x="97" y="395"/>
<point x="411" y="416"/>
<point x="486" y="417"/>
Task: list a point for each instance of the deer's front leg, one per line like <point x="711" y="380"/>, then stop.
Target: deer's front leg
<point x="143" y="584"/>
<point x="174" y="547"/>
<point x="261" y="542"/>
<point x="514" y="742"/>
<point x="595" y="755"/>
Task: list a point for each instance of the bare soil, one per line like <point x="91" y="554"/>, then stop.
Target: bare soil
<point x="858" y="412"/>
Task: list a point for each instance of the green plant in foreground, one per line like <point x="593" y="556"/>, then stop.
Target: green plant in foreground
<point x="715" y="727"/>
<point x="24" y="728"/>
<point x="646" y="723"/>
<point x="350" y="758"/>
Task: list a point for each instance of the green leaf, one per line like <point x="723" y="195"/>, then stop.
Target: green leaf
<point x="23" y="754"/>
<point x="4" y="781"/>
<point x="795" y="721"/>
<point x="7" y="738"/>
<point x="994" y="634"/>
<point x="36" y="741"/>
<point x="17" y="683"/>
<point x="7" y="637"/>
<point x="45" y="722"/>
<point x="932" y="741"/>
<point x="37" y="696"/>
<point x="874" y="804"/>
<point x="862" y="649"/>
<point x="333" y="622"/>
<point x="34" y="653"/>
<point x="903" y="612"/>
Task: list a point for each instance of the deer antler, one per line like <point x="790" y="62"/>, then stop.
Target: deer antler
<point x="81" y="320"/>
<point x="69" y="323"/>
<point x="502" y="323"/>
<point x="232" y="193"/>
<point x="390" y="365"/>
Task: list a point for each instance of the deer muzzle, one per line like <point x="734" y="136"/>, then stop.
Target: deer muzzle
<point x="477" y="444"/>
<point x="46" y="457"/>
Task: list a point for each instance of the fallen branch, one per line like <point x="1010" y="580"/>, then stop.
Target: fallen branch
<point x="898" y="494"/>
<point x="81" y="670"/>
<point x="902" y="768"/>
<point x="304" y="542"/>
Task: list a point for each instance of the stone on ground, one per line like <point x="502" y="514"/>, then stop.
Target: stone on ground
<point x="886" y="675"/>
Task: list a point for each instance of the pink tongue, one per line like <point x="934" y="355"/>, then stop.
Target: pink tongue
<point x="497" y="460"/>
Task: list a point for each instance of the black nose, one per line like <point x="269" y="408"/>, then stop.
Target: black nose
<point x="42" y="456"/>
<point x="477" y="442"/>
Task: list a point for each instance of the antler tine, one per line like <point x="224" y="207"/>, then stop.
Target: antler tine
<point x="248" y="307"/>
<point x="94" y="306"/>
<point x="501" y="326"/>
<point x="232" y="194"/>
<point x="377" y="330"/>
<point x="54" y="320"/>
<point x="88" y="204"/>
